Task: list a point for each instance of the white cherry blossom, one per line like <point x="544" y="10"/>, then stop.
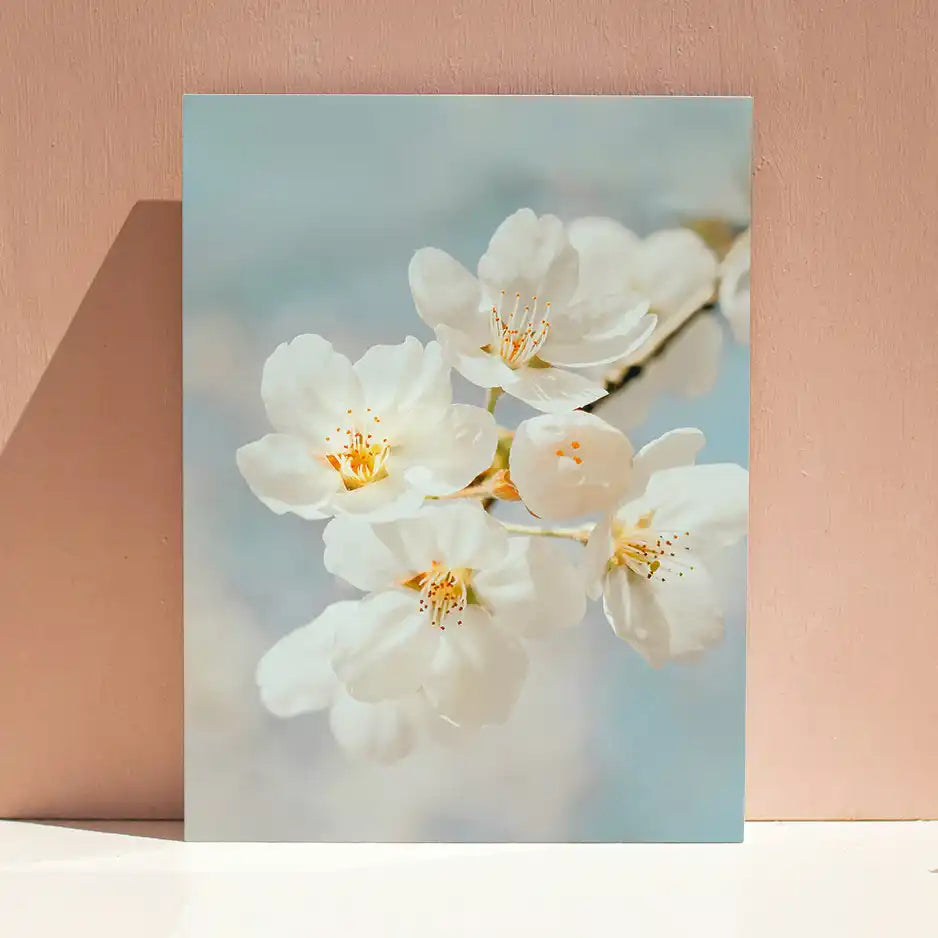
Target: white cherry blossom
<point x="370" y="439"/>
<point x="518" y="325"/>
<point x="568" y="465"/>
<point x="649" y="557"/>
<point x="451" y="596"/>
<point x="734" y="287"/>
<point x="296" y="676"/>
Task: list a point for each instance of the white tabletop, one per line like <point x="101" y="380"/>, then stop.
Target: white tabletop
<point x="788" y="879"/>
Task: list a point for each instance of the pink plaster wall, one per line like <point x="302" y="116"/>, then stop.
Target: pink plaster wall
<point x="843" y="664"/>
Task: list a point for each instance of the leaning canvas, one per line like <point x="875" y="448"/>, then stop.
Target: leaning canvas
<point x="466" y="386"/>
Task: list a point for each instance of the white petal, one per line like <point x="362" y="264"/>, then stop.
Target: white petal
<point x="399" y="379"/>
<point x="448" y="455"/>
<point x="477" y="673"/>
<point x="459" y="534"/>
<point x="585" y="345"/>
<point x="385" y="649"/>
<point x="534" y="590"/>
<point x="384" y="500"/>
<point x="690" y="364"/>
<point x="674" y="448"/>
<point x="355" y="552"/>
<point x="711" y="502"/>
<point x="483" y="369"/>
<point x="445" y="293"/>
<point x="734" y="287"/>
<point x="282" y="473"/>
<point x="675" y="269"/>
<point x="307" y="387"/>
<point x="596" y="556"/>
<point x="532" y="256"/>
<point x="604" y="247"/>
<point x="553" y="390"/>
<point x="296" y="675"/>
<point x="465" y="535"/>
<point x="569" y="465"/>
<point x="382" y="731"/>
<point x="674" y="620"/>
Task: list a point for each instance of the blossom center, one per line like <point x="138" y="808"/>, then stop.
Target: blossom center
<point x="358" y="455"/>
<point x="518" y="330"/>
<point x="443" y="590"/>
<point x="650" y="554"/>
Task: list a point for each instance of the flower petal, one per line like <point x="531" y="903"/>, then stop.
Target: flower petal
<point x="281" y="472"/>
<point x="477" y="672"/>
<point x="296" y="676"/>
<point x="674" y="448"/>
<point x="448" y="455"/>
<point x="398" y="379"/>
<point x="386" y="648"/>
<point x="532" y="256"/>
<point x="465" y="535"/>
<point x="711" y="502"/>
<point x="383" y="500"/>
<point x="355" y="552"/>
<point x="676" y="270"/>
<point x="569" y="465"/>
<point x="690" y="363"/>
<point x="604" y="247"/>
<point x="596" y="556"/>
<point x="483" y="369"/>
<point x="383" y="731"/>
<point x="445" y="293"/>
<point x="734" y="287"/>
<point x="672" y="620"/>
<point x="534" y="591"/>
<point x="381" y="556"/>
<point x="307" y="388"/>
<point x="553" y="390"/>
<point x="627" y="331"/>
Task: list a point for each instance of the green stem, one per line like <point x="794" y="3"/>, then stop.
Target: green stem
<point x="570" y="534"/>
<point x="492" y="399"/>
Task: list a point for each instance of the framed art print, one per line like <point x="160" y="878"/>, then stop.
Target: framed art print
<point x="466" y="387"/>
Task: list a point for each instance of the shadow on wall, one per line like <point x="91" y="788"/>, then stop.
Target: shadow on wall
<point x="90" y="495"/>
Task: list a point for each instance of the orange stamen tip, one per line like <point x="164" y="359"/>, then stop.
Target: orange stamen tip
<point x="575" y="444"/>
<point x="559" y="452"/>
<point x="577" y="460"/>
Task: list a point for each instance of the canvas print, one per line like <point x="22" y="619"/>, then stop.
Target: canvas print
<point x="465" y="452"/>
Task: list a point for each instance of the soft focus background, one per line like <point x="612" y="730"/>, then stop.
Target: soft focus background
<point x="300" y="215"/>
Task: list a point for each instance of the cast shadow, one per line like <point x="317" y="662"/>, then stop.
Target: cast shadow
<point x="147" y="830"/>
<point x="90" y="550"/>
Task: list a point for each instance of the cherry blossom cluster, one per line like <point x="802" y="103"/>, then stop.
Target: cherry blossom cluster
<point x="411" y="482"/>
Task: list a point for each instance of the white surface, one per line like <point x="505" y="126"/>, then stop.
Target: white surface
<point x="808" y="879"/>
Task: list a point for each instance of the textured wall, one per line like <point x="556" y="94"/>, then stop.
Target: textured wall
<point x="843" y="703"/>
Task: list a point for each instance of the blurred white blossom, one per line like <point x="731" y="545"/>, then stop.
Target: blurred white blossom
<point x="734" y="287"/>
<point x="672" y="269"/>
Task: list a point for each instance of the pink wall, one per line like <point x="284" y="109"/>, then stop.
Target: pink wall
<point x="843" y="664"/>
